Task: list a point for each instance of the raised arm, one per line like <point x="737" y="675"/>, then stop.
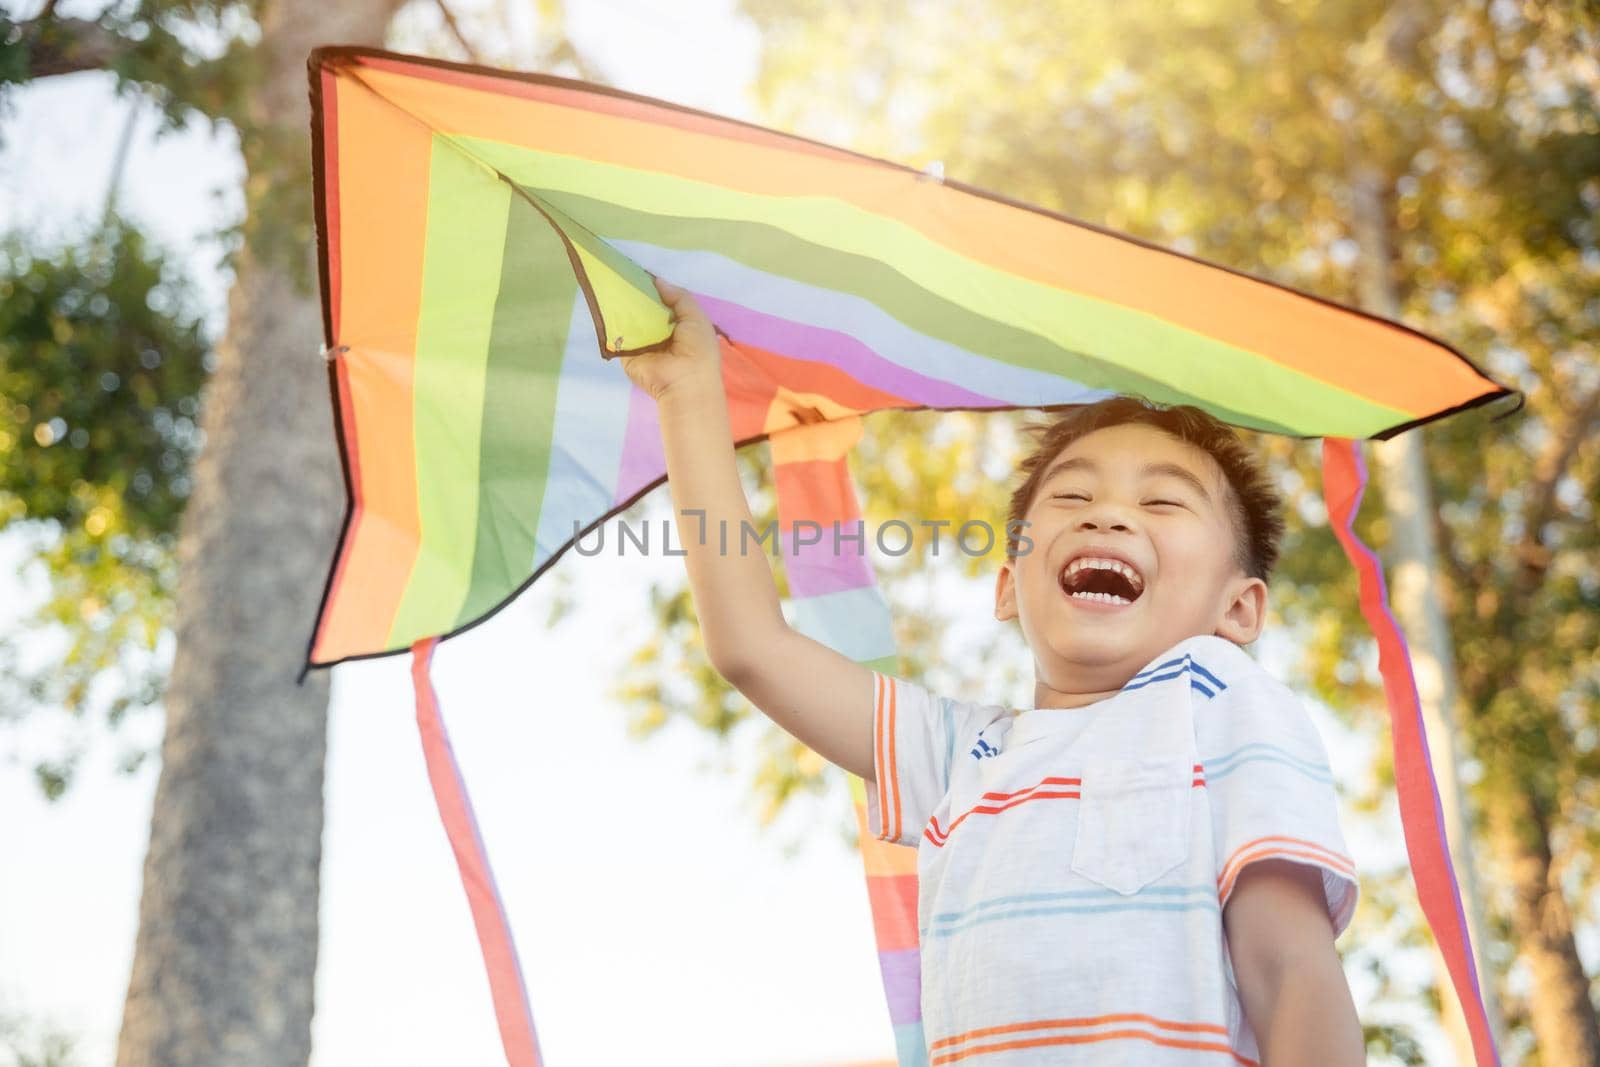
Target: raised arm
<point x="822" y="698"/>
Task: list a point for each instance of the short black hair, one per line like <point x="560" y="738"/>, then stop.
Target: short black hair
<point x="1254" y="502"/>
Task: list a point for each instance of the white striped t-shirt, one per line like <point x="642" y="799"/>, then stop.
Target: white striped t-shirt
<point x="1073" y="863"/>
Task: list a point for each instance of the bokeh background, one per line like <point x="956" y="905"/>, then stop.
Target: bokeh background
<point x="680" y="875"/>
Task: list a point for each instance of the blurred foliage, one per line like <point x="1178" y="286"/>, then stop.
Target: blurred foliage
<point x="103" y="341"/>
<point x="1234" y="130"/>
<point x="102" y="359"/>
<point x="203" y="61"/>
<point x="26" y="1042"/>
<point x="102" y="356"/>
<point x="196" y="62"/>
<point x="192" y="59"/>
<point x="101" y="362"/>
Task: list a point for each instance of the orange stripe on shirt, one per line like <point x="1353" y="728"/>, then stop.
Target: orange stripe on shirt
<point x="1072" y="1039"/>
<point x="1237" y="856"/>
<point x="1084" y="1039"/>
<point x="880" y="756"/>
<point x="938" y="835"/>
<point x="1249" y="853"/>
<point x="894" y="766"/>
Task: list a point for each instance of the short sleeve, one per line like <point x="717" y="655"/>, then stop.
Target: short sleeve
<point x="1271" y="789"/>
<point x="914" y="739"/>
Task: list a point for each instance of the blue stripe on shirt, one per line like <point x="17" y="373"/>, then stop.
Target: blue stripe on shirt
<point x="1086" y="901"/>
<point x="1184" y="664"/>
<point x="1222" y="766"/>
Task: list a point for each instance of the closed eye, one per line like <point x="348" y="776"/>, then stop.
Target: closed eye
<point x="1173" y="503"/>
<point x="1068" y="496"/>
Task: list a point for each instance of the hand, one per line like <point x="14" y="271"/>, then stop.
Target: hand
<point x="692" y="354"/>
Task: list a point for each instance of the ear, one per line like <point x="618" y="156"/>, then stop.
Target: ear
<point x="1245" y="612"/>
<point x="1005" y="592"/>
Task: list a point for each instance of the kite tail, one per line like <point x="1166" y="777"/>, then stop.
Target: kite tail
<point x="834" y="599"/>
<point x="892" y="894"/>
<point x="506" y="987"/>
<point x="1344" y="479"/>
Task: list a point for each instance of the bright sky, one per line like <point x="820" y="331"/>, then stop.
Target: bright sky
<point x="655" y="921"/>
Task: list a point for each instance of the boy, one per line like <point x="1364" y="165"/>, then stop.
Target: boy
<point x="1146" y="867"/>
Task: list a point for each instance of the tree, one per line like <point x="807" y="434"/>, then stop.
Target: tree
<point x="100" y="371"/>
<point x="224" y="965"/>
<point x="226" y="953"/>
<point x="1228" y="129"/>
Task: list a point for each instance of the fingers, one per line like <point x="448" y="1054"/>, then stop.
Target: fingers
<point x="670" y="293"/>
<point x="680" y="300"/>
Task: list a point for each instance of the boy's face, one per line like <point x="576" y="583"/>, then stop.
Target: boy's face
<point x="1133" y="551"/>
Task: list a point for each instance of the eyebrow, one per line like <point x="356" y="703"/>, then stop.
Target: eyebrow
<point x="1171" y="470"/>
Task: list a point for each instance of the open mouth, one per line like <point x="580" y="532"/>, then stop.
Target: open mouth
<point x="1102" y="580"/>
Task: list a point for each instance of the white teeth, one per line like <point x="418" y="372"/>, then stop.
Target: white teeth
<point x="1104" y="598"/>
<point x="1106" y="564"/>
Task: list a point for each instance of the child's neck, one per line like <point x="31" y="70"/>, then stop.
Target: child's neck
<point x="1045" y="697"/>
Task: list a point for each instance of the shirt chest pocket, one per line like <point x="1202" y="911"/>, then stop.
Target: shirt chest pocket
<point x="1133" y="821"/>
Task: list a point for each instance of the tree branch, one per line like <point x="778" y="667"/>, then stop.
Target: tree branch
<point x="1456" y="571"/>
<point x="65" y="46"/>
<point x="1551" y="466"/>
<point x="455" y="29"/>
<point x="564" y="51"/>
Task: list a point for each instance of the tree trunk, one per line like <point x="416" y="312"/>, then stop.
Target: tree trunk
<point x="226" y="955"/>
<point x="1564" y="1020"/>
<point x="1565" y="1027"/>
<point x="1414" y="560"/>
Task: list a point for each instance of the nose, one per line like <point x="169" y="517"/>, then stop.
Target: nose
<point x="1102" y="515"/>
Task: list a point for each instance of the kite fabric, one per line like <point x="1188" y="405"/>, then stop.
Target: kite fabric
<point x="487" y="242"/>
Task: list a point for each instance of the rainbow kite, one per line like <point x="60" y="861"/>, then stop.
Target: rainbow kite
<point x="487" y="241"/>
